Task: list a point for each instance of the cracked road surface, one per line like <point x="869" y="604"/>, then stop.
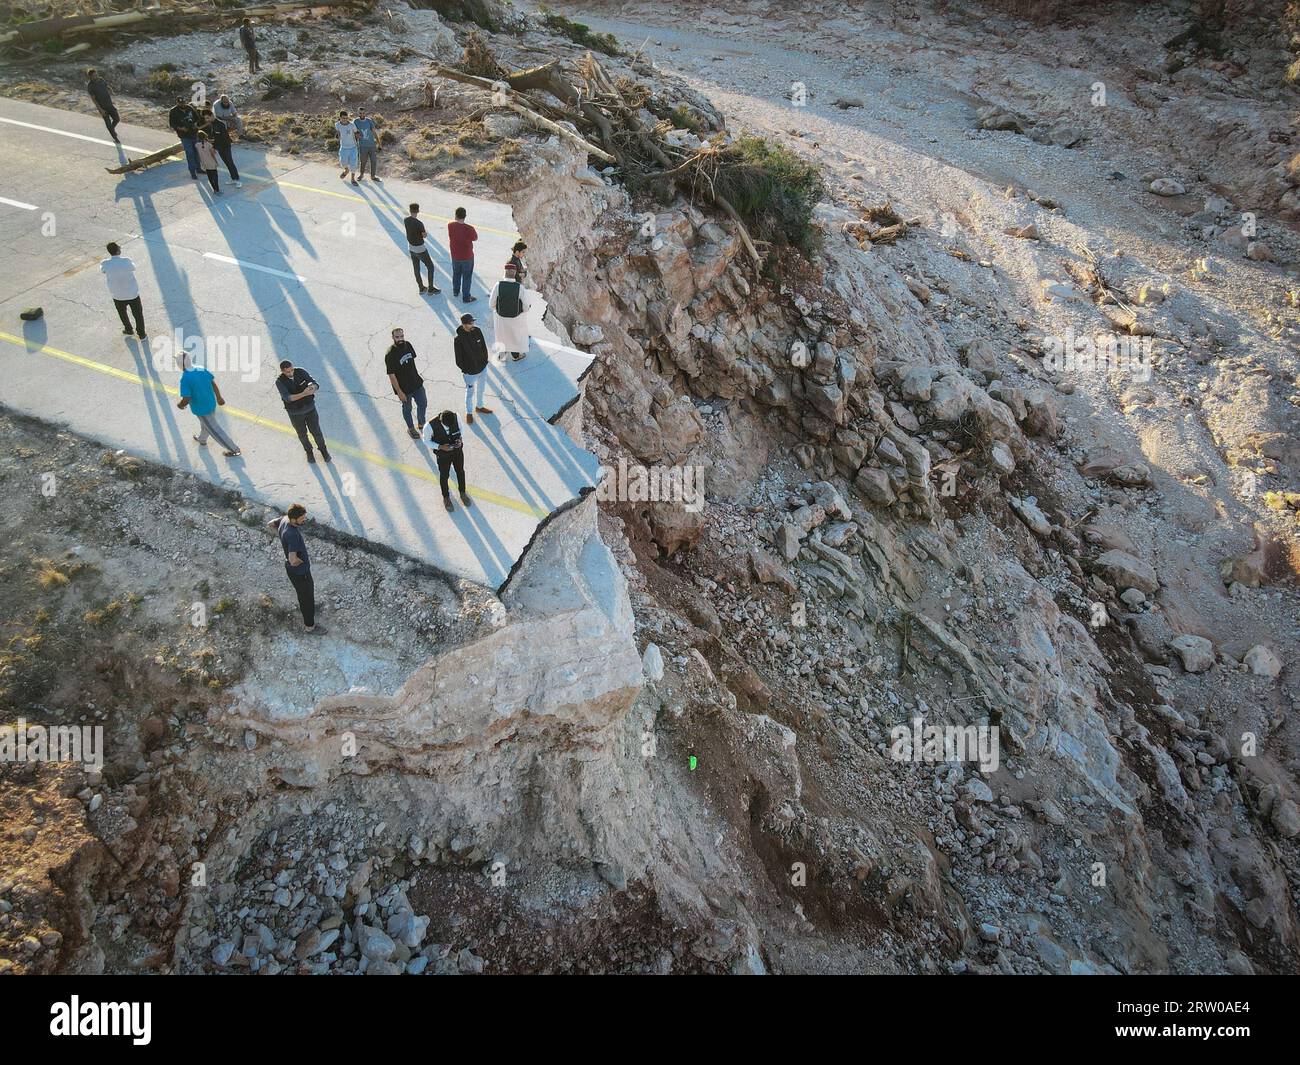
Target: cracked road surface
<point x="296" y="264"/>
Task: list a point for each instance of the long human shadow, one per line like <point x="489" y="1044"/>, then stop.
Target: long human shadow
<point x="158" y="405"/>
<point x="260" y="227"/>
<point x="253" y="239"/>
<point x="524" y="482"/>
<point x="529" y="416"/>
<point x="177" y="309"/>
<point x="476" y="530"/>
<point x="336" y="498"/>
<point x="384" y="213"/>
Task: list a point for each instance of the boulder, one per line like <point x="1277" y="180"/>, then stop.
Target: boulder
<point x="767" y="569"/>
<point x="1247" y="570"/>
<point x="1028" y="512"/>
<point x="875" y="486"/>
<point x="1126" y="571"/>
<point x="1262" y="662"/>
<point x="787" y="541"/>
<point x="652" y="663"/>
<point x="1286" y="818"/>
<point x="915" y="383"/>
<point x="1195" y="652"/>
<point x="374" y="943"/>
<point x="1167" y="186"/>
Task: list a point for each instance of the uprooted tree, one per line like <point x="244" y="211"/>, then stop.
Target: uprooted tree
<point x="768" y="191"/>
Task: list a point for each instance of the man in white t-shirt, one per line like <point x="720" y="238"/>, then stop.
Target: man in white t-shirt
<point x="347" y="132"/>
<point x="119" y="272"/>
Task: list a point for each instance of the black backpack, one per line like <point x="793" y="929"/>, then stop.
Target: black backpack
<point x="509" y="302"/>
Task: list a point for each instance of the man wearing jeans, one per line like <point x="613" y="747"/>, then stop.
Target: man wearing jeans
<point x="297" y="564"/>
<point x="119" y="272"/>
<point x="298" y="390"/>
<point x="460" y="238"/>
<point x="367" y="144"/>
<point x="472" y="361"/>
<point x="200" y="393"/>
<point x="407" y="383"/>
<point x="184" y="120"/>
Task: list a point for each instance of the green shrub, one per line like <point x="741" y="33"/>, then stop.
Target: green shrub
<point x="276" y="83"/>
<point x="773" y="190"/>
<point x="165" y="82"/>
<point x="580" y="33"/>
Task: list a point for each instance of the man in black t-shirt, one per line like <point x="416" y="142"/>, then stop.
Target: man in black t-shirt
<point x="416" y="236"/>
<point x="407" y="383"/>
<point x="298" y="390"/>
<point x="98" y="89"/>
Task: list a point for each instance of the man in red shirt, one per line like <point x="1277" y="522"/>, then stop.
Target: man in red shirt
<point x="461" y="237"/>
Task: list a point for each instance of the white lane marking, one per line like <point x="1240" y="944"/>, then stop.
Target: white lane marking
<point x="242" y="264"/>
<point x="18" y="203"/>
<point x="77" y="136"/>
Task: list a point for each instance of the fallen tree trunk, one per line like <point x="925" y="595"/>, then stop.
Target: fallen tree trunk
<point x="507" y="100"/>
<point x="148" y="160"/>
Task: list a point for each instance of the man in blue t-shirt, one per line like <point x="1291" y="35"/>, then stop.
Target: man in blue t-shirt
<point x="297" y="564"/>
<point x="367" y="143"/>
<point x="200" y="393"/>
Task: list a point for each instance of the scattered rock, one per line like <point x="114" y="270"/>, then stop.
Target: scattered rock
<point x="1196" y="652"/>
<point x="1167" y="186"/>
<point x="1123" y="570"/>
<point x="1262" y="662"/>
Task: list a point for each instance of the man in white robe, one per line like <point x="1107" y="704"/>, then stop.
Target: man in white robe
<point x="510" y="303"/>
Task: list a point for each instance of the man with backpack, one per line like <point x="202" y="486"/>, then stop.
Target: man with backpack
<point x="510" y="303"/>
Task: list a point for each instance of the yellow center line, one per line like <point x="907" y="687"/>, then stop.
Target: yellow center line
<point x="277" y="426"/>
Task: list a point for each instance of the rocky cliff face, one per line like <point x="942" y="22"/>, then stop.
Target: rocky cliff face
<point x="884" y="466"/>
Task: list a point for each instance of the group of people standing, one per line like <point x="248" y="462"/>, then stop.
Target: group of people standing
<point x="206" y="138"/>
<point x="205" y="134"/>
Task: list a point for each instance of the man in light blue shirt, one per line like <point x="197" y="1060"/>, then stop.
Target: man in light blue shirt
<point x="200" y="393"/>
<point x="367" y="143"/>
